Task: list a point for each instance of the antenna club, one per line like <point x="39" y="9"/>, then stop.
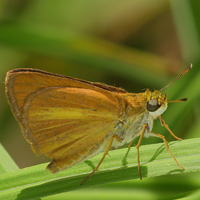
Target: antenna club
<point x="184" y="72"/>
<point x="185" y="99"/>
<point x="178" y="100"/>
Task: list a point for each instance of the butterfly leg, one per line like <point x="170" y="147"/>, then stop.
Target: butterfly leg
<point x="137" y="147"/>
<point x="104" y="155"/>
<point x="167" y="146"/>
<point x="130" y="144"/>
<point x="165" y="125"/>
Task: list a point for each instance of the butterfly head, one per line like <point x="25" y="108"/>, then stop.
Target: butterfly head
<point x="156" y="102"/>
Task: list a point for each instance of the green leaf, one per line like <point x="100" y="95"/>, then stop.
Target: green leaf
<point x="87" y="51"/>
<point x="6" y="162"/>
<point x="35" y="182"/>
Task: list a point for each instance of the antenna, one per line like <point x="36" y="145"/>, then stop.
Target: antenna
<point x="178" y="100"/>
<point x="184" y="72"/>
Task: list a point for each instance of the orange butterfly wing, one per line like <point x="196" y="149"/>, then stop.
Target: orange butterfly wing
<point x="64" y="118"/>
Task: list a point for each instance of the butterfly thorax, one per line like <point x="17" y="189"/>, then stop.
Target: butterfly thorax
<point x="142" y="108"/>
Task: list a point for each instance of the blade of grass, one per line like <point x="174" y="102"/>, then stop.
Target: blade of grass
<point x="87" y="51"/>
<point x="191" y="91"/>
<point x="186" y="27"/>
<point x="192" y="195"/>
<point x="166" y="187"/>
<point x="34" y="182"/>
<point x="100" y="194"/>
<point x="7" y="164"/>
<point x="177" y="113"/>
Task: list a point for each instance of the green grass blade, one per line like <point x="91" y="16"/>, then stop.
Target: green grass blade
<point x="192" y="195"/>
<point x="35" y="182"/>
<point x="6" y="162"/>
<point x="87" y="52"/>
<point x="187" y="28"/>
<point x="177" y="114"/>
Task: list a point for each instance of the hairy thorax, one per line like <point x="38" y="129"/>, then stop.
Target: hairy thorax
<point x="132" y="128"/>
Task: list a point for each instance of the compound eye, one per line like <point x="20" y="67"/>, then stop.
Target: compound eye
<point x="152" y="105"/>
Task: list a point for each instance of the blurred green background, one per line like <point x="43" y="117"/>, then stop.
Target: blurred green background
<point x="133" y="44"/>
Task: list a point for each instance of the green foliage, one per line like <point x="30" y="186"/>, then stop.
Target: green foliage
<point x="119" y="43"/>
<point x="6" y="162"/>
<point x="35" y="182"/>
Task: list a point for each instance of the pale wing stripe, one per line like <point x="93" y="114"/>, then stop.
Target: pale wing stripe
<point x="50" y="113"/>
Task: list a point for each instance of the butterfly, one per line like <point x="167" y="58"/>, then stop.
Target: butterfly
<point x="70" y="120"/>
